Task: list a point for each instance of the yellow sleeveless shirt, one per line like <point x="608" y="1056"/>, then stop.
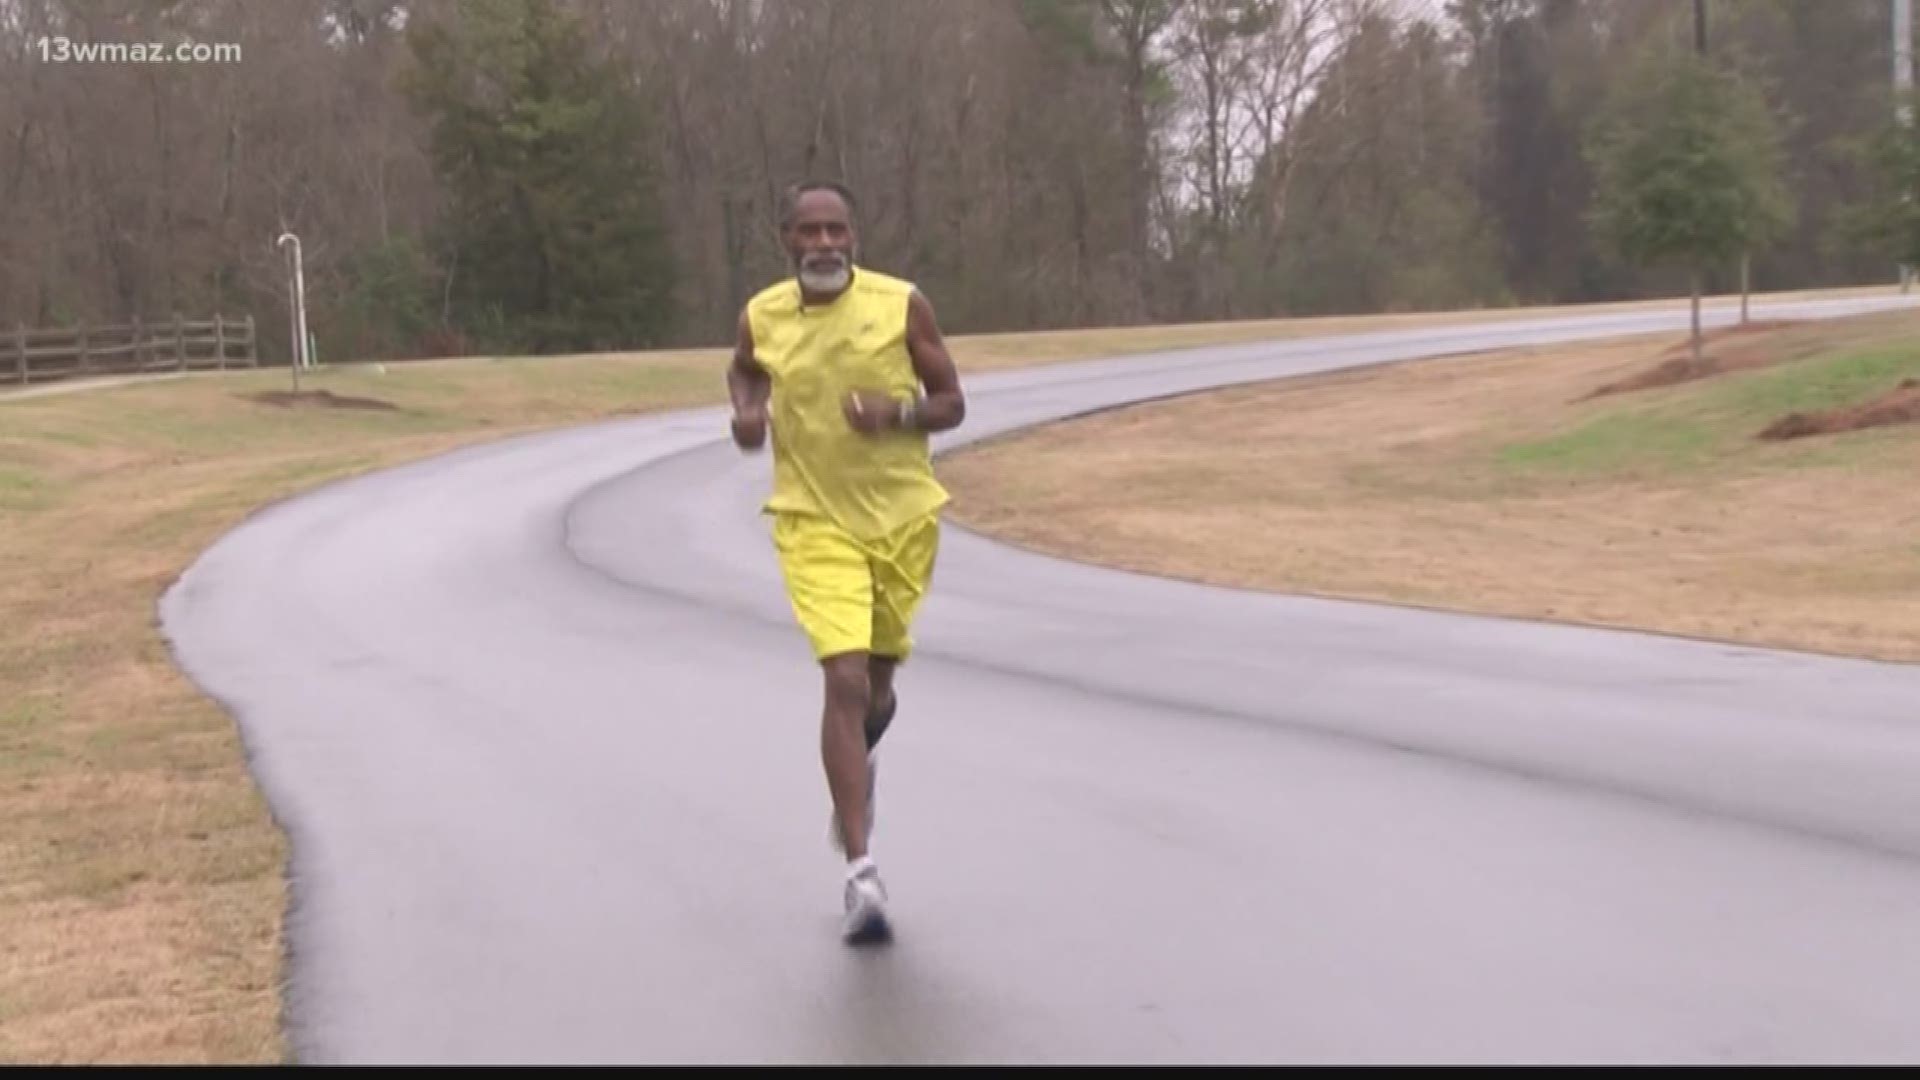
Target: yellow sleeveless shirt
<point x="869" y="485"/>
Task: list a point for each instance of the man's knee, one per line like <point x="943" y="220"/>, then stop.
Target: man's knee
<point x="849" y="687"/>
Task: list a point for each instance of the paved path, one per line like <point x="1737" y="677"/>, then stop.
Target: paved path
<point x="546" y="743"/>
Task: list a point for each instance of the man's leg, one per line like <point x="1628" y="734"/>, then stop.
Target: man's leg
<point x="901" y="579"/>
<point x="843" y="746"/>
<point x="831" y="588"/>
<point x="882" y="703"/>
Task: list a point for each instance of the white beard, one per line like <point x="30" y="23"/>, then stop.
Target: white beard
<point x="821" y="280"/>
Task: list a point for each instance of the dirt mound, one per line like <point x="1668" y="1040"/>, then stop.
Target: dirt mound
<point x="325" y="399"/>
<point x="1899" y="406"/>
<point x="1678" y="365"/>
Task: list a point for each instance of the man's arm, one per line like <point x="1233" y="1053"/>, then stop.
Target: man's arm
<point x="750" y="387"/>
<point x="944" y="405"/>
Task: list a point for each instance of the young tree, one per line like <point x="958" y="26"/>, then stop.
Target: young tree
<point x="1687" y="170"/>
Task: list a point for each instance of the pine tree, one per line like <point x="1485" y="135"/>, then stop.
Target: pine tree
<point x="555" y="231"/>
<point x="1887" y="219"/>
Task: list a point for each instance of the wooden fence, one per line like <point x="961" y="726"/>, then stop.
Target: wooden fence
<point x="31" y="356"/>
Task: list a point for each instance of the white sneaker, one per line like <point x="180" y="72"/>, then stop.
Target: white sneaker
<point x="866" y="901"/>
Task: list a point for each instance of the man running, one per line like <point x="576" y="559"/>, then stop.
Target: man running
<point x="848" y="367"/>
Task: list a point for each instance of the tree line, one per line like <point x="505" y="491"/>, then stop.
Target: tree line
<point x="493" y="176"/>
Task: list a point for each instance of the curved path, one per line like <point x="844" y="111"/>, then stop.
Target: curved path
<point x="545" y="740"/>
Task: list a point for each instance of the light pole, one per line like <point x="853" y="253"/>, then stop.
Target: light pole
<point x="1902" y="53"/>
<point x="299" y="307"/>
<point x="1902" y="83"/>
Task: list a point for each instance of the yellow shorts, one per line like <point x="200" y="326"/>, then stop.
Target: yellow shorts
<point x="851" y="595"/>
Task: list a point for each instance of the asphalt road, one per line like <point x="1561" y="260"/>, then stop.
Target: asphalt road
<point x="545" y="740"/>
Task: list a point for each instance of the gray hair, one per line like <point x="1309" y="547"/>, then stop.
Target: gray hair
<point x="794" y="193"/>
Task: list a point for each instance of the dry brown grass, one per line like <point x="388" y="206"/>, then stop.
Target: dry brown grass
<point x="1479" y="484"/>
<point x="140" y="872"/>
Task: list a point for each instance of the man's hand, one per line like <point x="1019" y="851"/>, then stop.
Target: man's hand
<point x="944" y="405"/>
<point x="870" y="412"/>
<point x="750" y="429"/>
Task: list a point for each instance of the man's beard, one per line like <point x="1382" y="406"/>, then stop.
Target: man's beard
<point x="826" y="273"/>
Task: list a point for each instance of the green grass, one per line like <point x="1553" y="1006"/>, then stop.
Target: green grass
<point x="1616" y="443"/>
<point x="1714" y="423"/>
<point x="1821" y="383"/>
<point x="23" y="749"/>
<point x="23" y="488"/>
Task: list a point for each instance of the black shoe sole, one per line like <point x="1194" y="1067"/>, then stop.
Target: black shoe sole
<point x="877" y="931"/>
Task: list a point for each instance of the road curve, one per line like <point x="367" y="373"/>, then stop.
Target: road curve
<point x="545" y="742"/>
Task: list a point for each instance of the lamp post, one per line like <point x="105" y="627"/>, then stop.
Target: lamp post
<point x="1902" y="83"/>
<point x="299" y="308"/>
